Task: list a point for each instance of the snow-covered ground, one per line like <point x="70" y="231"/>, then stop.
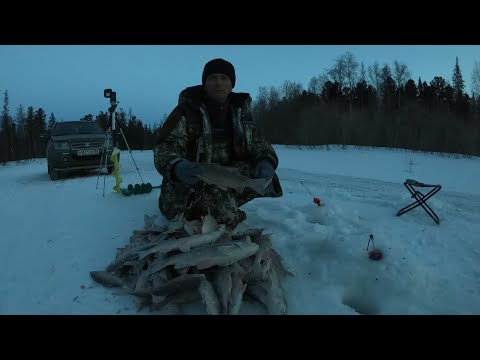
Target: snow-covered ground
<point x="52" y="234"/>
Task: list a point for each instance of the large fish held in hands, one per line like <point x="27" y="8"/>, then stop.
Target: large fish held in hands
<point x="230" y="178"/>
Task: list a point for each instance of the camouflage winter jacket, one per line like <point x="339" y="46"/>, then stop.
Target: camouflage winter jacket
<point x="186" y="134"/>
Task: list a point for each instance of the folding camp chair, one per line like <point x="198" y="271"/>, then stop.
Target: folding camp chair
<point x="420" y="198"/>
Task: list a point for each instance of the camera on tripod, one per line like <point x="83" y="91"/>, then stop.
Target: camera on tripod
<point x="108" y="93"/>
<point x="112" y="95"/>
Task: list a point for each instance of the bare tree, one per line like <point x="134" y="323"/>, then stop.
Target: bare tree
<point x="400" y="75"/>
<point x="261" y="102"/>
<point x="351" y="76"/>
<point x="273" y="97"/>
<point x="385" y="73"/>
<point x="344" y="73"/>
<point x="316" y="83"/>
<point x="338" y="72"/>
<point x="262" y="106"/>
<point x="351" y="67"/>
<point x="387" y="86"/>
<point x="374" y="75"/>
<point x="363" y="73"/>
<point x="291" y="90"/>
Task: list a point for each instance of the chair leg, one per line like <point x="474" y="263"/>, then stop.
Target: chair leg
<point x="427" y="208"/>
<point x="421" y="201"/>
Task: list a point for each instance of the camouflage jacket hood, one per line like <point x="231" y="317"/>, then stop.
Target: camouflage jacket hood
<point x="193" y="97"/>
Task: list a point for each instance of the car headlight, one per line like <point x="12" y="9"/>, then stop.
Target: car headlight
<point x="61" y="145"/>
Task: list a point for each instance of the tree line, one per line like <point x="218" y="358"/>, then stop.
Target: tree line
<point x="379" y="106"/>
<point x="349" y="104"/>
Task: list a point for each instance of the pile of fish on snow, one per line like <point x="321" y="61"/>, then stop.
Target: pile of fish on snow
<point x="185" y="262"/>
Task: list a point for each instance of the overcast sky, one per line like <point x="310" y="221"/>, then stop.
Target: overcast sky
<point x="69" y="80"/>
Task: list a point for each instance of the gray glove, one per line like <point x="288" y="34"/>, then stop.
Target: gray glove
<point x="264" y="169"/>
<point x="185" y="172"/>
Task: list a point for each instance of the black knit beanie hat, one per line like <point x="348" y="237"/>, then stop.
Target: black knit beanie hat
<point x="219" y="66"/>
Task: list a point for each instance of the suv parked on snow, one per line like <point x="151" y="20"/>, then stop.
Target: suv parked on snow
<point x="77" y="145"/>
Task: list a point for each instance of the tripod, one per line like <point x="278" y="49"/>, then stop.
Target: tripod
<point x="115" y="157"/>
<point x="102" y="167"/>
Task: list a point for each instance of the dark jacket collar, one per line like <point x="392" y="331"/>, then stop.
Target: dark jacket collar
<point x="193" y="96"/>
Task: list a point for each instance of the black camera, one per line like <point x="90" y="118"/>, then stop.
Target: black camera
<point x="108" y="93"/>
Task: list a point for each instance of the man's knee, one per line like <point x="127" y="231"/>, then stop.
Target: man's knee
<point x="168" y="211"/>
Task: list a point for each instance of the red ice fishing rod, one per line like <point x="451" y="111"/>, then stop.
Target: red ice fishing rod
<point x="316" y="200"/>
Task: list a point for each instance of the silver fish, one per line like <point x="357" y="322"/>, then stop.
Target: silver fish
<point x="269" y="293"/>
<point x="179" y="284"/>
<point x="223" y="286"/>
<point x="265" y="244"/>
<point x="276" y="300"/>
<point x="258" y="291"/>
<point x="184" y="244"/>
<point x="230" y="177"/>
<point x="277" y="263"/>
<point x="127" y="255"/>
<point x="185" y="296"/>
<point x="209" y="297"/>
<point x="220" y="254"/>
<point x="142" y="282"/>
<point x="108" y="279"/>
<point x="254" y="233"/>
<point x="238" y="289"/>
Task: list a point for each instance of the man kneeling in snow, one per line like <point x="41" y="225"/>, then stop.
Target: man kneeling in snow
<point x="211" y="124"/>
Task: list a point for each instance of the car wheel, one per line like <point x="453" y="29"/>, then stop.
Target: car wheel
<point x="53" y="174"/>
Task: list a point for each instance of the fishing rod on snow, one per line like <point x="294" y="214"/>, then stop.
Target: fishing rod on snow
<point x="316" y="200"/>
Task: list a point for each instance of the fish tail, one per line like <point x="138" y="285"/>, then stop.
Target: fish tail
<point x="259" y="185"/>
<point x="142" y="254"/>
